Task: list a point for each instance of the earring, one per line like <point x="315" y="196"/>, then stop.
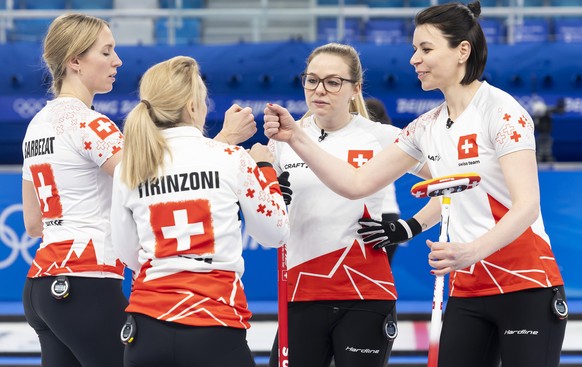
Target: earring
<point x="353" y="98"/>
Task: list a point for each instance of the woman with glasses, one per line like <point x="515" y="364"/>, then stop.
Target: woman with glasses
<point x="341" y="293"/>
<point x="73" y="295"/>
<point x="506" y="295"/>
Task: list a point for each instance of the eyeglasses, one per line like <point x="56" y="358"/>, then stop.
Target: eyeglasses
<point x="332" y="84"/>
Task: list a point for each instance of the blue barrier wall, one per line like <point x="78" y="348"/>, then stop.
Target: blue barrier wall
<point x="560" y="206"/>
<point x="254" y="74"/>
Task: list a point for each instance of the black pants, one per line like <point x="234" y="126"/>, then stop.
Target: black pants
<point x="518" y="328"/>
<point x="161" y="343"/>
<point x="348" y="331"/>
<point x="82" y="329"/>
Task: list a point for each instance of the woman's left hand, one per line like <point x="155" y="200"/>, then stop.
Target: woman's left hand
<point x="446" y="257"/>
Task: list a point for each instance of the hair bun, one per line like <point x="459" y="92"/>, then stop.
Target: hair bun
<point x="475" y="8"/>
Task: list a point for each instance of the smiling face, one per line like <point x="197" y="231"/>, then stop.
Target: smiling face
<point x="330" y="109"/>
<point x="438" y="66"/>
<point x="98" y="65"/>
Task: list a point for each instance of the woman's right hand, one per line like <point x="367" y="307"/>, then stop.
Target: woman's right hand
<point x="239" y="125"/>
<point x="279" y="124"/>
<point x="260" y="153"/>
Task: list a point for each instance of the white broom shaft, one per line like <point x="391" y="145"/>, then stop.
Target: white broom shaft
<point x="436" y="316"/>
<point x="445" y="207"/>
<point x="439" y="285"/>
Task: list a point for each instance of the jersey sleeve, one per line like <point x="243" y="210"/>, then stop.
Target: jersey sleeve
<point x="26" y="174"/>
<point x="409" y="140"/>
<point x="123" y="228"/>
<point x="99" y="138"/>
<point x="274" y="148"/>
<point x="389" y="135"/>
<point x="262" y="204"/>
<point x="511" y="130"/>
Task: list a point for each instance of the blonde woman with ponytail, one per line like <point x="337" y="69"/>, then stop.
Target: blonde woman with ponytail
<point x="178" y="199"/>
<point x="72" y="296"/>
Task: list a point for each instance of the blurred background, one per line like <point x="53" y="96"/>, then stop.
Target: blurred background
<point x="252" y="52"/>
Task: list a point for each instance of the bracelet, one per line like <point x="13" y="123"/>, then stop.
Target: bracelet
<point x="224" y="137"/>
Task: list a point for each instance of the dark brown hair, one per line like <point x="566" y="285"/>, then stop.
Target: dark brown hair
<point x="459" y="22"/>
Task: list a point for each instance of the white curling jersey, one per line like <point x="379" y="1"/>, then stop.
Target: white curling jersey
<point x="493" y="125"/>
<point x="181" y="233"/>
<point x="64" y="147"/>
<point x="326" y="258"/>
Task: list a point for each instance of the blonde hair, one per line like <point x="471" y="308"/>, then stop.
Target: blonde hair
<point x="352" y="59"/>
<point x="68" y="36"/>
<point x="166" y="89"/>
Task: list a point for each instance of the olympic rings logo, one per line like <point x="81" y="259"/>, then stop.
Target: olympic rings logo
<point x="28" y="107"/>
<point x="9" y="237"/>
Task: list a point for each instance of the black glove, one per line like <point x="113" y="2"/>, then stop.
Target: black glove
<point x="285" y="187"/>
<point x="381" y="233"/>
